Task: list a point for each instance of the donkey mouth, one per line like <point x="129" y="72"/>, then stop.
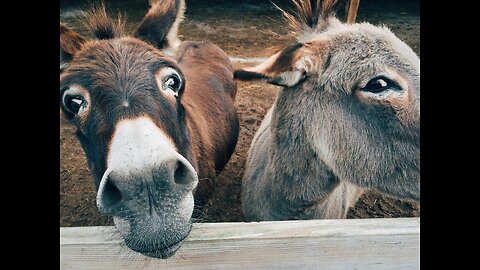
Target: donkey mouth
<point x="161" y="252"/>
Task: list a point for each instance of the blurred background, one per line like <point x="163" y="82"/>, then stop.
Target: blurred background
<point x="245" y="29"/>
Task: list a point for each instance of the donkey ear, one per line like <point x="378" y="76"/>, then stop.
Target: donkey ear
<point x="160" y="26"/>
<point x="70" y="43"/>
<point x="284" y="68"/>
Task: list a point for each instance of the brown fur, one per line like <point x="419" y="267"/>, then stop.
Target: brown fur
<point x="186" y="99"/>
<point x="308" y="15"/>
<point x="70" y="41"/>
<point x="285" y="59"/>
<point x="103" y="26"/>
<point x="204" y="64"/>
<point x="169" y="11"/>
<point x="216" y="66"/>
<point x="200" y="63"/>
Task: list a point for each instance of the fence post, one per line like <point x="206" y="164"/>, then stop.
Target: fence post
<point x="352" y="7"/>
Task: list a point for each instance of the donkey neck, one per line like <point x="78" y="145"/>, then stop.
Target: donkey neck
<point x="200" y="141"/>
<point x="301" y="177"/>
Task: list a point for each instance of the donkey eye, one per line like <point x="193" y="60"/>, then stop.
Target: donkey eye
<point x="172" y="82"/>
<point x="380" y="84"/>
<point x="75" y="104"/>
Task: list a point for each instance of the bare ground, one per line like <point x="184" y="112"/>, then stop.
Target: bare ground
<point x="242" y="29"/>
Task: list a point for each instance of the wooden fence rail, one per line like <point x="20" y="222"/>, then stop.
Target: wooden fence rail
<point x="310" y="244"/>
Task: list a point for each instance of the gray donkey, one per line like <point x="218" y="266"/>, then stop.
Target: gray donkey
<point x="347" y="119"/>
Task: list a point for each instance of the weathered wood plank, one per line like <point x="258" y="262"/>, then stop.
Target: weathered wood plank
<point x="312" y="244"/>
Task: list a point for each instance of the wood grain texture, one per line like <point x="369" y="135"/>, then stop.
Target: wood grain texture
<point x="309" y="244"/>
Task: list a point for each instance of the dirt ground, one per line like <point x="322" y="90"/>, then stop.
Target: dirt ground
<point x="243" y="29"/>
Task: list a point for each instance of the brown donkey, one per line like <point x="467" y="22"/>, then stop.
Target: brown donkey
<point x="151" y="125"/>
<point x="346" y="119"/>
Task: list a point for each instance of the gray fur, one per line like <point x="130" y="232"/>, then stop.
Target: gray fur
<point x="324" y="141"/>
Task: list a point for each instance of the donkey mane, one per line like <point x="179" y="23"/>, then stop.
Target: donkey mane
<point x="308" y="15"/>
<point x="101" y="25"/>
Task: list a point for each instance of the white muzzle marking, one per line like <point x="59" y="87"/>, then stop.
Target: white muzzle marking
<point x="137" y="146"/>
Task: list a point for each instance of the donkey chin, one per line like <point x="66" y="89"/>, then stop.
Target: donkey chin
<point x="148" y="188"/>
<point x="153" y="215"/>
<point x="158" y="234"/>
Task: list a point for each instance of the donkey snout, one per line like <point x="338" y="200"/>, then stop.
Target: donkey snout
<point x="121" y="188"/>
<point x="174" y="173"/>
<point x="184" y="174"/>
<point x="114" y="192"/>
<point x="109" y="194"/>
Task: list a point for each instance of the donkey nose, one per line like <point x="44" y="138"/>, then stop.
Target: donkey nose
<point x="120" y="187"/>
<point x="111" y="193"/>
<point x="183" y="175"/>
<point x="174" y="173"/>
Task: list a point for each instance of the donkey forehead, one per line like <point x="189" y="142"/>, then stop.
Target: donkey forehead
<point x="116" y="64"/>
<point x="127" y="54"/>
<point x="367" y="40"/>
<point x="119" y="76"/>
<point x="362" y="51"/>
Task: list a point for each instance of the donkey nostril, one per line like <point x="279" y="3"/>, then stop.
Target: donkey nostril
<point x="181" y="175"/>
<point x="111" y="194"/>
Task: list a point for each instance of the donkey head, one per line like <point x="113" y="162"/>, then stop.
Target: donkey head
<point x="353" y="91"/>
<point x="124" y="96"/>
